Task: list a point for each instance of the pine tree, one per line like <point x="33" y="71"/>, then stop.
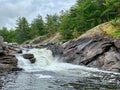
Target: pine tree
<point x="23" y="30"/>
<point x="37" y="27"/>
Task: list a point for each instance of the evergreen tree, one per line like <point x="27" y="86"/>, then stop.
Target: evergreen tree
<point x="87" y="14"/>
<point x="52" y="23"/>
<point x="4" y="32"/>
<point x="22" y="30"/>
<point x="37" y="27"/>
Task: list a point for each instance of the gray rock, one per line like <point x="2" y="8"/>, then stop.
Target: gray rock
<point x="30" y="57"/>
<point x="99" y="52"/>
<point x="1" y="41"/>
<point x="7" y="62"/>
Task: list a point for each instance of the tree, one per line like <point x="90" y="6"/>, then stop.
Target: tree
<point x="37" y="27"/>
<point x="87" y="14"/>
<point x="65" y="26"/>
<point x="12" y="35"/>
<point x="52" y="23"/>
<point x="112" y="9"/>
<point x="4" y="32"/>
<point x="22" y="30"/>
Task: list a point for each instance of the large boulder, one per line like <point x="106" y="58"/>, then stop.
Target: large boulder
<point x="30" y="57"/>
<point x="99" y="52"/>
<point x="96" y="52"/>
<point x="95" y="48"/>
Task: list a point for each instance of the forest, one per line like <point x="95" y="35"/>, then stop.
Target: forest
<point x="82" y="16"/>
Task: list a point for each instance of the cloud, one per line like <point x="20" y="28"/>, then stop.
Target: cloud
<point x="10" y="10"/>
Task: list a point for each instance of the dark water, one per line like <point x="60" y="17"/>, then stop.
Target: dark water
<point x="46" y="80"/>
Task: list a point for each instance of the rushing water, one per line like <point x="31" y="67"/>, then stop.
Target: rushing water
<point x="49" y="73"/>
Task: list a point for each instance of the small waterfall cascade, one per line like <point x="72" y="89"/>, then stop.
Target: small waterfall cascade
<point x="50" y="73"/>
<point x="43" y="58"/>
<point x="46" y="62"/>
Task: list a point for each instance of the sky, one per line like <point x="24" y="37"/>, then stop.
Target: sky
<point x="10" y="10"/>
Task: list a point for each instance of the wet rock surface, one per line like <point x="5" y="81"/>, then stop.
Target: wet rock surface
<point x="98" y="52"/>
<point x="30" y="57"/>
<point x="8" y="62"/>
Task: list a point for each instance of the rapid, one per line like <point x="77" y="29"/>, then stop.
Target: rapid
<point x="52" y="73"/>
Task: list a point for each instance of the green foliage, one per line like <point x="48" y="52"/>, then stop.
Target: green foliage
<point x="66" y="27"/>
<point x="4" y="32"/>
<point x="84" y="15"/>
<point x="116" y="26"/>
<point x="116" y="34"/>
<point x="87" y="14"/>
<point x="52" y="23"/>
<point x="9" y="35"/>
<point x="75" y="34"/>
<point x="22" y="30"/>
<point x="116" y="22"/>
<point x="37" y="27"/>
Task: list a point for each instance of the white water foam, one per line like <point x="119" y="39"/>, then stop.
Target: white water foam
<point x="46" y="62"/>
<point x="43" y="76"/>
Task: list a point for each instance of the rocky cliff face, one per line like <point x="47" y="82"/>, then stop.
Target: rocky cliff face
<point x="92" y="49"/>
<point x="98" y="52"/>
<point x="8" y="62"/>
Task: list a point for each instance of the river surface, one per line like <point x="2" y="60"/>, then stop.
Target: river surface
<point x="50" y="73"/>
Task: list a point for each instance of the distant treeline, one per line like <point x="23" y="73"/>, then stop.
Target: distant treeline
<point x="84" y="15"/>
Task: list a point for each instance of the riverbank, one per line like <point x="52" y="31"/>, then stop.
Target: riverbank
<point x="8" y="61"/>
<point x="96" y="48"/>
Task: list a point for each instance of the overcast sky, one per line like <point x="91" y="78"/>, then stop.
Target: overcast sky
<point x="10" y="10"/>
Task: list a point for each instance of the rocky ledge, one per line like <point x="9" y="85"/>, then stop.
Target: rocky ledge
<point x="8" y="62"/>
<point x="99" y="52"/>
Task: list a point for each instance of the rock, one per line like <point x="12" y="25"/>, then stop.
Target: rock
<point x="1" y="41"/>
<point x="32" y="60"/>
<point x="8" y="62"/>
<point x="57" y="49"/>
<point x="14" y="48"/>
<point x="98" y="52"/>
<point x="38" y="40"/>
<point x="2" y="46"/>
<point x="9" y="59"/>
<point x="117" y="43"/>
<point x="30" y="57"/>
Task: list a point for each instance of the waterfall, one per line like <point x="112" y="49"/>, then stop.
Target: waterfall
<point x="46" y="62"/>
<point x="50" y="73"/>
<point x="43" y="58"/>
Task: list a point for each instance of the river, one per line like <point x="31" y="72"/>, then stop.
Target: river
<point x="51" y="73"/>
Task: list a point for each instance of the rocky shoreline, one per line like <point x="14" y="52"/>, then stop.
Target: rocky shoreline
<point x="8" y="61"/>
<point x="97" y="51"/>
